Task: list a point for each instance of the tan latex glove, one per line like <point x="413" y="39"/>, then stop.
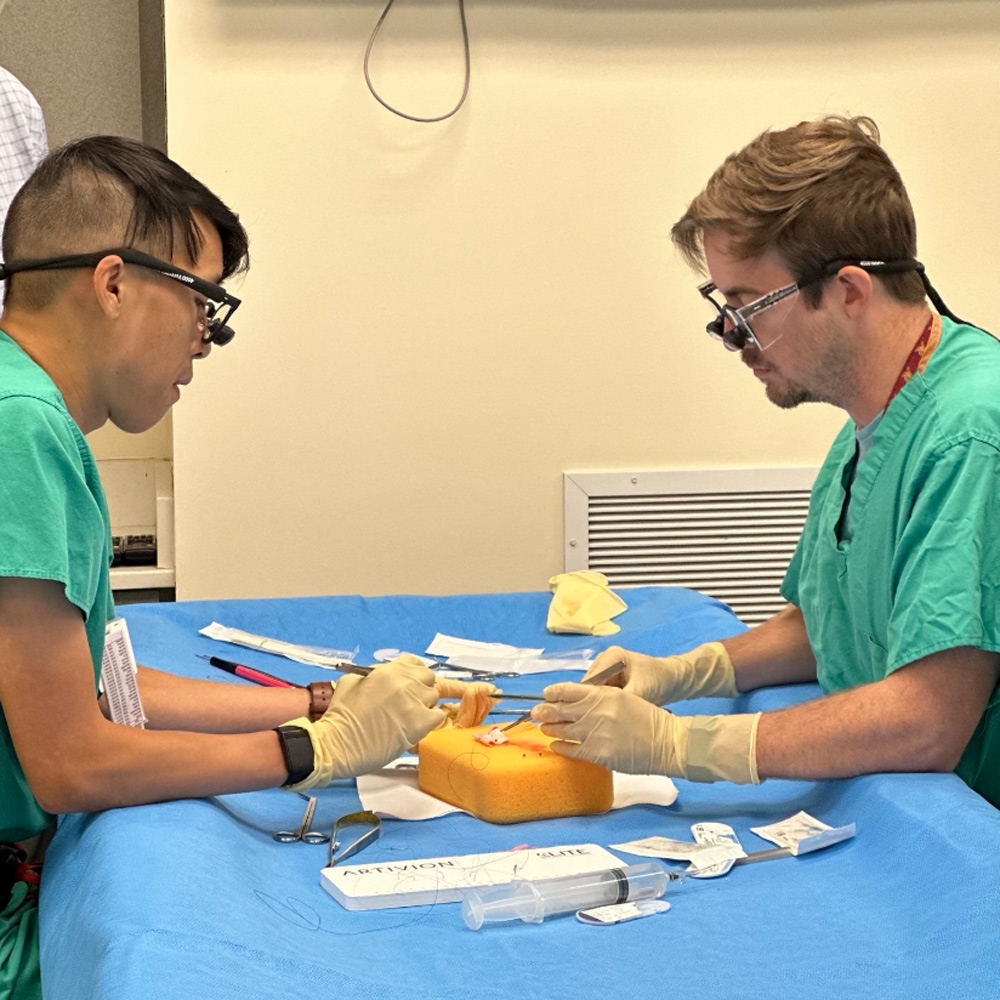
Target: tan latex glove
<point x="475" y="701"/>
<point x="704" y="672"/>
<point x="582" y="602"/>
<point x="615" y="728"/>
<point x="371" y="720"/>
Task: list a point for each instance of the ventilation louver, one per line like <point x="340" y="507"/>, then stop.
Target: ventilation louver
<point x="729" y="533"/>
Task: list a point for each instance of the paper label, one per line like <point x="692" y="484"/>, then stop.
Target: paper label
<point x="716" y="835"/>
<point x="498" y="656"/>
<point x="389" y="654"/>
<point x="803" y="833"/>
<point x="618" y="913"/>
<point x="699" y="855"/>
<point x="330" y="659"/>
<point x="451" y="646"/>
<point x="419" y="881"/>
<point x="118" y="676"/>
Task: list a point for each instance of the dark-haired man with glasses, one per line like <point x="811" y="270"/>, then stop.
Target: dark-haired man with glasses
<point x="894" y="591"/>
<point x="89" y="335"/>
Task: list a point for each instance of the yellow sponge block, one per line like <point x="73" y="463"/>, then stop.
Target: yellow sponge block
<point x="513" y="782"/>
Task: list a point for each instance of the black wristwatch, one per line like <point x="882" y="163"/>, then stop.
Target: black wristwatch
<point x="297" y="748"/>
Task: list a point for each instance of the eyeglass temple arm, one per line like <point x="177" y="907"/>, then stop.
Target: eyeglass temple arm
<point x="48" y="264"/>
<point x="896" y="267"/>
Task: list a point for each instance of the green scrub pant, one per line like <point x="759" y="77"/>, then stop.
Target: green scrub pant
<point x="19" y="972"/>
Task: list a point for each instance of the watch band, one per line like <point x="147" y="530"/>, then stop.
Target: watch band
<point x="320" y="696"/>
<point x="297" y="749"/>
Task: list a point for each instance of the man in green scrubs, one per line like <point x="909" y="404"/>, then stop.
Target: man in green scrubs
<point x="113" y="257"/>
<point x="894" y="591"/>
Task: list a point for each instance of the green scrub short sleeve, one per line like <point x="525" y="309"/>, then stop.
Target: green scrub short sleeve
<point x="945" y="577"/>
<point x="49" y="514"/>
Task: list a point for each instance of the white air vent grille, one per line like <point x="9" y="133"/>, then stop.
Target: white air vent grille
<point x="728" y="533"/>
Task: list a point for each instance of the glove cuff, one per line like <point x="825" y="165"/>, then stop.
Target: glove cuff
<point x="712" y="674"/>
<point x="716" y="748"/>
<point x="704" y="672"/>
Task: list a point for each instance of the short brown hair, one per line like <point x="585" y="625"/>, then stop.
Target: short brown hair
<point x="820" y="191"/>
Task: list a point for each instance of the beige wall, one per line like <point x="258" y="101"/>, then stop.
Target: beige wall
<point x="441" y="319"/>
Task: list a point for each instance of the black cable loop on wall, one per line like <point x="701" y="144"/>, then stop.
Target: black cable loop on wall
<point x="403" y="114"/>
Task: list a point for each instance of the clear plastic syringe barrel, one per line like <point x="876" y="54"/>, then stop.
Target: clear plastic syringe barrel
<point x="532" y="902"/>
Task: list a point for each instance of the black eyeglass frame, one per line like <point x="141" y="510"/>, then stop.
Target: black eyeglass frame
<point x="740" y="332"/>
<point x="217" y="329"/>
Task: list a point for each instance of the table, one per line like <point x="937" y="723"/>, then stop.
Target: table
<point x="194" y="898"/>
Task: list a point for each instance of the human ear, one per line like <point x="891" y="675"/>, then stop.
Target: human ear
<point x="108" y="285"/>
<point x="854" y="289"/>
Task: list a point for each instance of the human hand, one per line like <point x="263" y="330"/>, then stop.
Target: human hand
<point x="475" y="701"/>
<point x="610" y="726"/>
<point x="703" y="672"/>
<point x="372" y="720"/>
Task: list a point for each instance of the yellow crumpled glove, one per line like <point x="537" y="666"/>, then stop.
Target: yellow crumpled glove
<point x="371" y="720"/>
<point x="704" y="672"/>
<point x="475" y="701"/>
<point x="582" y="602"/>
<point x="612" y="727"/>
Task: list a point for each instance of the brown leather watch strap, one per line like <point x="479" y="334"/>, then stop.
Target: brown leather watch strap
<point x="320" y="696"/>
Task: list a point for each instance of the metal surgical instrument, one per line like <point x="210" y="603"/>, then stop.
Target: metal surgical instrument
<point x="303" y="833"/>
<point x="365" y="818"/>
<point x="599" y="678"/>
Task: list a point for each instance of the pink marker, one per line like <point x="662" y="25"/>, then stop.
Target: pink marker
<point x="249" y="673"/>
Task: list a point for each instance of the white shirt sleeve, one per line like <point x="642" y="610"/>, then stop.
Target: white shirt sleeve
<point x="23" y="138"/>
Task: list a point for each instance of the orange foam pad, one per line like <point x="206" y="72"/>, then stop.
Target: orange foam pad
<point x="516" y="781"/>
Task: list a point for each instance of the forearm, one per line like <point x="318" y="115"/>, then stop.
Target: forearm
<point x="108" y="765"/>
<point x="841" y="736"/>
<point x="916" y="719"/>
<point x="180" y="703"/>
<point x="775" y="652"/>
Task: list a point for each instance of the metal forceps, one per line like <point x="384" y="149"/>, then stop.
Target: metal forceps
<point x="599" y="678"/>
<point x="372" y="831"/>
<point x="303" y="833"/>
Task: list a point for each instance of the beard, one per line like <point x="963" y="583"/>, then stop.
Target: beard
<point x="829" y="380"/>
<point x="787" y="395"/>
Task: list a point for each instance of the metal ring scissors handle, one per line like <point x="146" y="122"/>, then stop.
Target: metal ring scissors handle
<point x="477" y="672"/>
<point x="364" y="818"/>
<point x="303" y="833"/>
<point x="315" y="837"/>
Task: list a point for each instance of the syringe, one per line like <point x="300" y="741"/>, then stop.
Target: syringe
<point x="532" y="902"/>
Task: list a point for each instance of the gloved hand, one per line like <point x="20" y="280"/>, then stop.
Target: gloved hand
<point x="704" y="672"/>
<point x="371" y="720"/>
<point x="475" y="704"/>
<point x="615" y="728"/>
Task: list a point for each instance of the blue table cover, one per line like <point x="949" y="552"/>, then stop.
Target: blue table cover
<point x="195" y="899"/>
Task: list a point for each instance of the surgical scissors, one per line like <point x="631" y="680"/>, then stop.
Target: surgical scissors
<point x="303" y="833"/>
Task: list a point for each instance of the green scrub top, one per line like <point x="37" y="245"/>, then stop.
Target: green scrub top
<point x="53" y="526"/>
<point x="920" y="572"/>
